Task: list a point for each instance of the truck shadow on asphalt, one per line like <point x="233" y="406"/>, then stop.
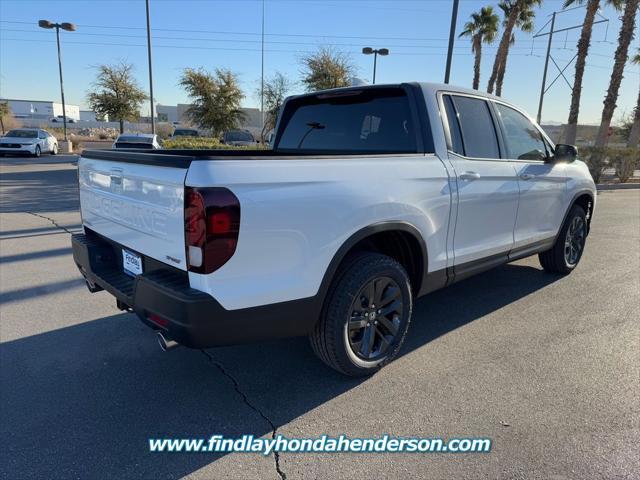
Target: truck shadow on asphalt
<point x="42" y="191"/>
<point x="82" y="401"/>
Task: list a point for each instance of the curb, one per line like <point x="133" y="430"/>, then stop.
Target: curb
<point x="617" y="186"/>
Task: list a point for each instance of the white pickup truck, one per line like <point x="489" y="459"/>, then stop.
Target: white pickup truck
<point x="371" y="197"/>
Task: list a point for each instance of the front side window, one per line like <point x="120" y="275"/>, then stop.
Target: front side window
<point x="477" y="128"/>
<point x="364" y="121"/>
<point x="524" y="141"/>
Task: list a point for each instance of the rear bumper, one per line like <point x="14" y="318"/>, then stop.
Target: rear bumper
<point x="193" y="318"/>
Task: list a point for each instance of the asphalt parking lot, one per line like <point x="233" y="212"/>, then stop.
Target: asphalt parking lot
<point x="548" y="367"/>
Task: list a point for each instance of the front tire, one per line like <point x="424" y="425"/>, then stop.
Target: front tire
<point x="566" y="253"/>
<point x="36" y="152"/>
<point x="366" y="315"/>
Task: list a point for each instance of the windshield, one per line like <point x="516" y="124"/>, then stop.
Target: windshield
<point x="238" y="137"/>
<point x="22" y="133"/>
<point x="358" y="121"/>
<point x="185" y="133"/>
<point x="125" y="139"/>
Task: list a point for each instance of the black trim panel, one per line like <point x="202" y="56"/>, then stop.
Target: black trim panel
<point x="573" y="201"/>
<point x="165" y="159"/>
<point x="474" y="267"/>
<point x="184" y="158"/>
<point x="360" y="235"/>
<point x="531" y="249"/>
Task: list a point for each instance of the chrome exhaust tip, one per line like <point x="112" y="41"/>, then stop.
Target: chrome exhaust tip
<point x="166" y="343"/>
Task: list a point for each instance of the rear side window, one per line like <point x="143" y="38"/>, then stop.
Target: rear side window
<point x="476" y="126"/>
<point x="454" y="126"/>
<point x="365" y="121"/>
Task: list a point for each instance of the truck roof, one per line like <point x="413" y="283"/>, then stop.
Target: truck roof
<point x="428" y="86"/>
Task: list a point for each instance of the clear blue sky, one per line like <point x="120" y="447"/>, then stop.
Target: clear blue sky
<point x="226" y="33"/>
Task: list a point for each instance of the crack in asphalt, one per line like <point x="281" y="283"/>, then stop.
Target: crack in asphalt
<point x="218" y="365"/>
<point x="245" y="399"/>
<point x="52" y="221"/>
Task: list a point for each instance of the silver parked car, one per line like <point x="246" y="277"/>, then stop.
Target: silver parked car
<point x="146" y="141"/>
<point x="239" y="138"/>
<point x="30" y="141"/>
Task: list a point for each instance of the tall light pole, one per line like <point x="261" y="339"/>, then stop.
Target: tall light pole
<point x="70" y="27"/>
<point x="262" y="79"/>
<point x="153" y="117"/>
<point x="377" y="51"/>
<point x="452" y="37"/>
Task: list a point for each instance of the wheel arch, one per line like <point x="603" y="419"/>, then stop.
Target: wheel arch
<point x="398" y="239"/>
<point x="585" y="199"/>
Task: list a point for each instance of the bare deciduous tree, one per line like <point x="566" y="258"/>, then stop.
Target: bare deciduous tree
<point x="116" y="93"/>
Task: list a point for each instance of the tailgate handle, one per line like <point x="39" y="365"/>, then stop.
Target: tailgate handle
<point x="116" y="178"/>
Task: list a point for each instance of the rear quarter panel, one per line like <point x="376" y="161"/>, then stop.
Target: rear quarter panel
<point x="296" y="213"/>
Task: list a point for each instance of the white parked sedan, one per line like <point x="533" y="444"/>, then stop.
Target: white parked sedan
<point x="31" y="141"/>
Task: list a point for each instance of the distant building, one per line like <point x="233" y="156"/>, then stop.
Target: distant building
<point x="177" y="114"/>
<point x="167" y="113"/>
<point x="40" y="109"/>
<point x="91" y="116"/>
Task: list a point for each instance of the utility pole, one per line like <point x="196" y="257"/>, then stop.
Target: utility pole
<point x="153" y="117"/>
<point x="546" y="66"/>
<point x="544" y="89"/>
<point x="452" y="36"/>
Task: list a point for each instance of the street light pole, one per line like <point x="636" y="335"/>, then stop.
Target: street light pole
<point x="375" y="62"/>
<point x="262" y="79"/>
<point x="452" y="36"/>
<point x="375" y="52"/>
<point x="153" y="117"/>
<point x="70" y="27"/>
<point x="64" y="107"/>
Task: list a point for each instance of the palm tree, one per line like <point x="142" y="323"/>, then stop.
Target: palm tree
<point x="524" y="22"/>
<point x="622" y="54"/>
<point x="583" y="49"/>
<point x="634" y="135"/>
<point x="483" y="27"/>
<point x="512" y="10"/>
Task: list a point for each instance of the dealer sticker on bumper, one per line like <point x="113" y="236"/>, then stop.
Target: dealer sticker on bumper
<point x="132" y="263"/>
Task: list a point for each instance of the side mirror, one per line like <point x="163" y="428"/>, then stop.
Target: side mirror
<point x="564" y="153"/>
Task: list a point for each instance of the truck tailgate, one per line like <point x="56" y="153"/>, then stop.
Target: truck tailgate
<point x="137" y="205"/>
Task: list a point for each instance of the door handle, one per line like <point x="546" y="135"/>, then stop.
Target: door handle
<point x="526" y="176"/>
<point x="469" y="176"/>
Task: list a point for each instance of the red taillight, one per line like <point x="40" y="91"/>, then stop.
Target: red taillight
<point x="212" y="223"/>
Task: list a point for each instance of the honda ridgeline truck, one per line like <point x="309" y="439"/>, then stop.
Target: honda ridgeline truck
<point x="371" y="197"/>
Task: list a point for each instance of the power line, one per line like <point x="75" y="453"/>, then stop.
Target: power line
<point x="257" y="50"/>
<point x="273" y="42"/>
<point x="217" y="48"/>
<point x="258" y="34"/>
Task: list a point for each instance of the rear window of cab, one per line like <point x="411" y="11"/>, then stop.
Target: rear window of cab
<point x="367" y="121"/>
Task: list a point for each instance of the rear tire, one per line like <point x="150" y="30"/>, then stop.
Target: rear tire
<point x="54" y="149"/>
<point x="355" y="336"/>
<point x="566" y="253"/>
